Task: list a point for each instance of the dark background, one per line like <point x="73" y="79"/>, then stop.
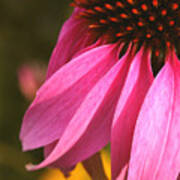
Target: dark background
<point x="28" y="31"/>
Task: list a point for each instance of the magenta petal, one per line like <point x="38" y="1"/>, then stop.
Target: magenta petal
<point x="156" y="144"/>
<point x="123" y="173"/>
<point x="61" y="95"/>
<point x="138" y="81"/>
<point x="73" y="37"/>
<point x="89" y="130"/>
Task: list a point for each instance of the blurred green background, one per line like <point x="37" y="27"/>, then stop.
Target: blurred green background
<point x="28" y="32"/>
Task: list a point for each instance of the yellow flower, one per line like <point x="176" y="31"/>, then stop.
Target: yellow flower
<point x="79" y="173"/>
<point x="105" y="156"/>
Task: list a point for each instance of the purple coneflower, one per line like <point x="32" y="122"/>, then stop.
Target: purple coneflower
<point x="114" y="76"/>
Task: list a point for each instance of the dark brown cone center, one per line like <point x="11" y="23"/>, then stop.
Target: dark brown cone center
<point x="155" y="23"/>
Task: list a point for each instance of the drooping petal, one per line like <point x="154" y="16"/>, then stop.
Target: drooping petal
<point x="155" y="150"/>
<point x="73" y="37"/>
<point x="61" y="95"/>
<point x="138" y="81"/>
<point x="94" y="45"/>
<point x="89" y="130"/>
<point x="123" y="173"/>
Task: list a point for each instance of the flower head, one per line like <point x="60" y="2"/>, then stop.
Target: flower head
<point x="153" y="23"/>
<point x="114" y="76"/>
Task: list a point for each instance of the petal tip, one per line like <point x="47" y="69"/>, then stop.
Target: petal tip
<point x="30" y="167"/>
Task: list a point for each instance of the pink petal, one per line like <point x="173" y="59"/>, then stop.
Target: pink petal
<point x="73" y="37"/>
<point x="61" y="95"/>
<point x="138" y="81"/>
<point x="94" y="45"/>
<point x="156" y="145"/>
<point x="89" y="130"/>
<point x="123" y="173"/>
